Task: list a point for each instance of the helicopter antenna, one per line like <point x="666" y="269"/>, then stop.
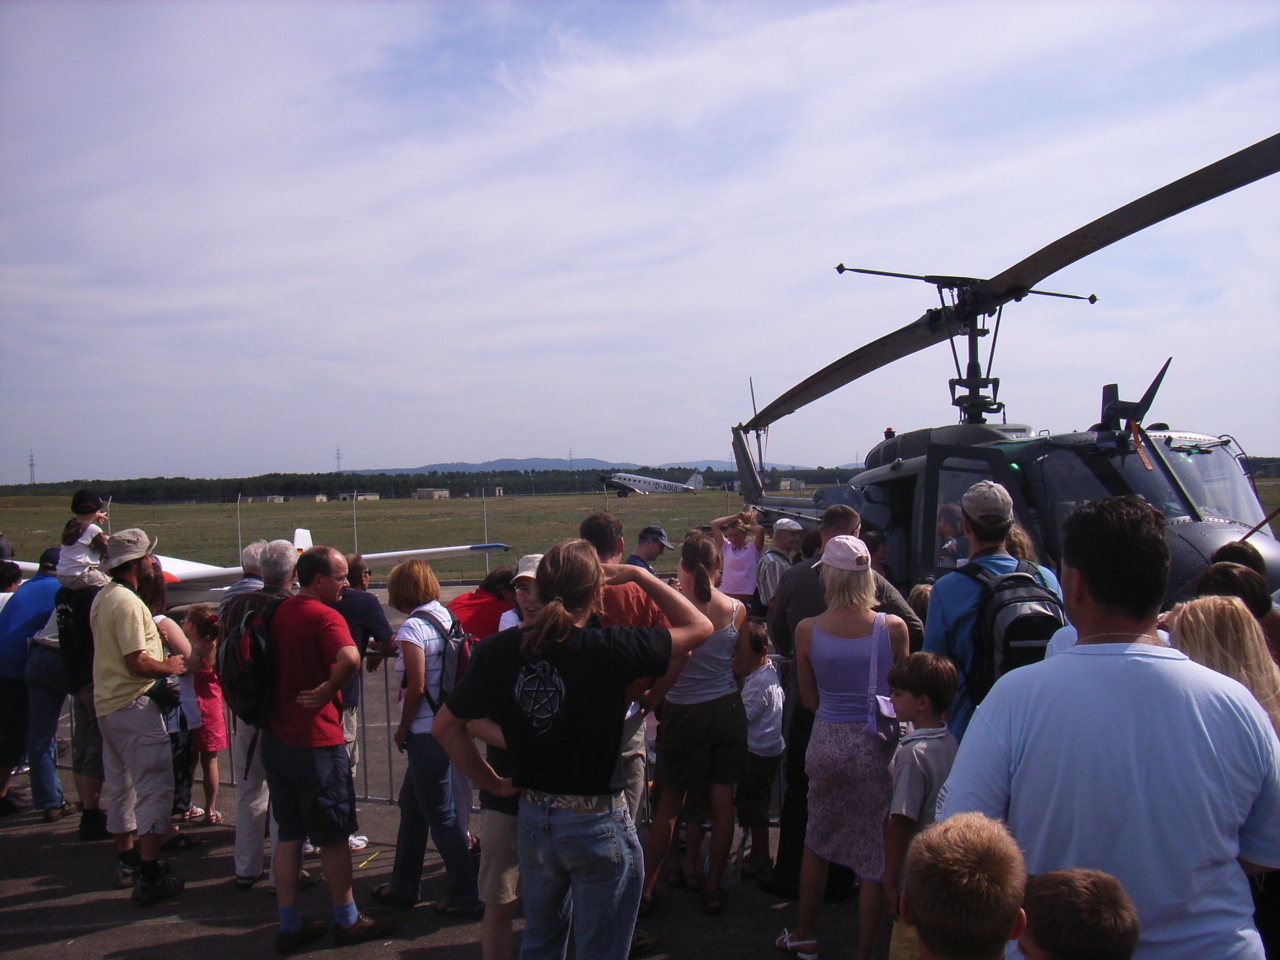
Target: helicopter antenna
<point x="1114" y="409"/>
<point x="759" y="449"/>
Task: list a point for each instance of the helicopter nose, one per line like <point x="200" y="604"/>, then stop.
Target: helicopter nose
<point x="1191" y="544"/>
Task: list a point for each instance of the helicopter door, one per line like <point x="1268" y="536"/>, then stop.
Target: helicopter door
<point x="949" y="472"/>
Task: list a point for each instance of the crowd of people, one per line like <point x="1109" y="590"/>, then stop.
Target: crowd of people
<point x="1120" y="798"/>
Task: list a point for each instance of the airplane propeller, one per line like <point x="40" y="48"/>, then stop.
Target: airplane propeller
<point x="978" y="298"/>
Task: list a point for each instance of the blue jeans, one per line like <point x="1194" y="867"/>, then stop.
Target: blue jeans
<point x="46" y="692"/>
<point x="587" y="868"/>
<point x="426" y="808"/>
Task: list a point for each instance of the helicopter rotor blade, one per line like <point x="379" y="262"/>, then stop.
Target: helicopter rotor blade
<point x="934" y="327"/>
<point x="985" y="297"/>
<point x="1250" y="164"/>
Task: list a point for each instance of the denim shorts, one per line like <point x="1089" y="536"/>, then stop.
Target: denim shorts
<point x="312" y="795"/>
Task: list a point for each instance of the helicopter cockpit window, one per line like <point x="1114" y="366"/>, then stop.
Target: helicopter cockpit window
<point x="1213" y="479"/>
<point x="951" y="548"/>
<point x="1080" y="474"/>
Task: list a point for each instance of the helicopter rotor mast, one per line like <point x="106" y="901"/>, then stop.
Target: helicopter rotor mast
<point x="974" y="299"/>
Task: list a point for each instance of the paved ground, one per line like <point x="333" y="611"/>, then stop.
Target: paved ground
<point x="58" y="900"/>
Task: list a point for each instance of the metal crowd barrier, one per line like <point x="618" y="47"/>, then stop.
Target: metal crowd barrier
<point x="380" y="784"/>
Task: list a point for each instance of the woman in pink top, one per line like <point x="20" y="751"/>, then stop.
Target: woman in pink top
<point x="740" y="541"/>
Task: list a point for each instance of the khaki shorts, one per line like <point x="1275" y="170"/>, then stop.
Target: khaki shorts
<point x="137" y="762"/>
<point x="86" y="738"/>
<point x="499" y="858"/>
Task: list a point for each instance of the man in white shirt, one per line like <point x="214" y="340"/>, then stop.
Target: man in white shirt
<point x="1123" y="755"/>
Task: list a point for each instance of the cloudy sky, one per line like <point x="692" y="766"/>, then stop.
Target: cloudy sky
<point x="235" y="236"/>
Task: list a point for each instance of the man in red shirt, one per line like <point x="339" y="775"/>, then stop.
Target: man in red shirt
<point x="480" y="610"/>
<point x="305" y="755"/>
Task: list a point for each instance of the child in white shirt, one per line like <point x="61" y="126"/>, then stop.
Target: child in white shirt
<point x="83" y="544"/>
<point x="762" y="697"/>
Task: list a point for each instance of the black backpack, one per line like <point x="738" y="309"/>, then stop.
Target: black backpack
<point x="1017" y="614"/>
<point x="247" y="670"/>
<point x="455" y="654"/>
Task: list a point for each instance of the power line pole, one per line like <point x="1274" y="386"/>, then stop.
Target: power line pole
<point x="337" y="457"/>
<point x="31" y="467"/>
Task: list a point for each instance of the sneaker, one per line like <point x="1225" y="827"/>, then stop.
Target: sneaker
<point x="356" y="843"/>
<point x="363" y="930"/>
<point x="152" y="891"/>
<point x="289" y="941"/>
<point x="127" y="876"/>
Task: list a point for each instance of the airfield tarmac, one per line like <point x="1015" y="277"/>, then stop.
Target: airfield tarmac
<point x="58" y="900"/>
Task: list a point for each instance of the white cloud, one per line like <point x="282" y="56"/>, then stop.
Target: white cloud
<point x="462" y="231"/>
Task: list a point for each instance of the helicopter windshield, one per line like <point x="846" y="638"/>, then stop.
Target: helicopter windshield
<point x="1213" y="478"/>
<point x="1076" y="475"/>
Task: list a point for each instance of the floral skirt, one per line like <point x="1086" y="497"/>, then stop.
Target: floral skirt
<point x="849" y="792"/>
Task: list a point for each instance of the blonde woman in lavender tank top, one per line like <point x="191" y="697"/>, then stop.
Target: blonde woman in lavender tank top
<point x="840" y="655"/>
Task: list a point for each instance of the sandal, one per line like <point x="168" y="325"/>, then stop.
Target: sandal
<point x="181" y="841"/>
<point x="212" y="818"/>
<point x="647" y="903"/>
<point x="804" y="949"/>
<point x="694" y="881"/>
<point x="445" y="909"/>
<point x="192" y="813"/>
<point x="384" y="894"/>
<point x="713" y="902"/>
<point x="675" y="876"/>
<point x="642" y="944"/>
<point x="753" y="868"/>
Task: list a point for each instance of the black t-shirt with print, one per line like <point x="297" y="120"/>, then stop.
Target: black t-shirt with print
<point x="562" y="716"/>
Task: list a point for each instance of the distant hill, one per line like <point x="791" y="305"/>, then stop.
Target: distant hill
<point x="505" y="465"/>
<point x="545" y="463"/>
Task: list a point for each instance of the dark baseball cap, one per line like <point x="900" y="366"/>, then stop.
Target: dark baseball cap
<point x="49" y="559"/>
<point x="657" y="533"/>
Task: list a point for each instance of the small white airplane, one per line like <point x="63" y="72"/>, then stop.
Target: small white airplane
<point x="629" y="483"/>
<point x="193" y="582"/>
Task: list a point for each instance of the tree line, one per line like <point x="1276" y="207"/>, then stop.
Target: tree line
<point x="386" y="485"/>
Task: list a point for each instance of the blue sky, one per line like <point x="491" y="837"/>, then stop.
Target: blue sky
<point x="236" y="236"/>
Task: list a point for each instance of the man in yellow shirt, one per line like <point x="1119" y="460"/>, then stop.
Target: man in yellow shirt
<point x="130" y="682"/>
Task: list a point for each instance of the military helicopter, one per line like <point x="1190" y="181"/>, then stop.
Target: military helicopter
<point x="913" y="482"/>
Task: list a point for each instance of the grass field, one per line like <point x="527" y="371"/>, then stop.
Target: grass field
<point x="207" y="532"/>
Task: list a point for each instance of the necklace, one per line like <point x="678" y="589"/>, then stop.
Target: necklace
<point x="1133" y="637"/>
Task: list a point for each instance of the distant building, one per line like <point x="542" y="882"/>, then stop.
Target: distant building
<point x="312" y="497"/>
<point x="431" y="493"/>
<point x="360" y="496"/>
<point x="790" y="483"/>
<point x="275" y="498"/>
